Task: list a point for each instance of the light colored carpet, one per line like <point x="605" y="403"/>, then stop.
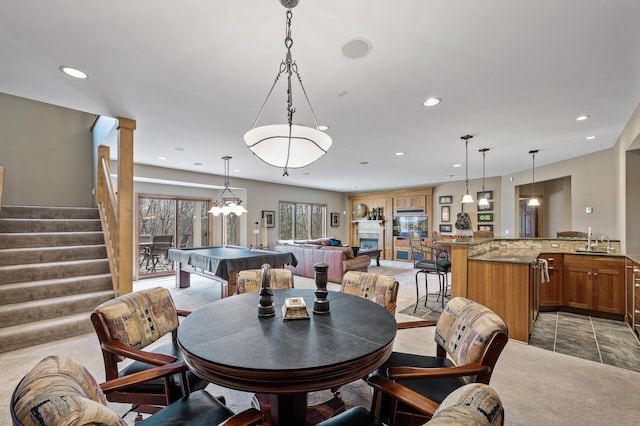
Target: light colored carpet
<point x="537" y="387"/>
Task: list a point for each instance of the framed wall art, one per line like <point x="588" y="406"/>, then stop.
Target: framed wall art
<point x="446" y="199"/>
<point x="446" y="228"/>
<point x="269" y="217"/>
<point x="488" y="207"/>
<point x="445" y="214"/>
<point x="485" y="228"/>
<point x="485" y="217"/>
<point x="487" y="194"/>
<point x="335" y="219"/>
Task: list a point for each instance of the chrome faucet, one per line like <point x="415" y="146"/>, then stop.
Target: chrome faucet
<point x="604" y="237"/>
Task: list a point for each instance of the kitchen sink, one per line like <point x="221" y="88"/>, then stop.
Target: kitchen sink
<point x="592" y="250"/>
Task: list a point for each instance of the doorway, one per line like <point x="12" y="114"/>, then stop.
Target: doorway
<point x="166" y="222"/>
<point x="528" y="219"/>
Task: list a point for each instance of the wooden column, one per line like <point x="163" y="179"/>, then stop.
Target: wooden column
<point x="125" y="203"/>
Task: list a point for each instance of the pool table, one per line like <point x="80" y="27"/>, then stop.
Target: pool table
<point x="223" y="263"/>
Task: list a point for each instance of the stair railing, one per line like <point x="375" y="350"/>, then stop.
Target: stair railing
<point x="108" y="208"/>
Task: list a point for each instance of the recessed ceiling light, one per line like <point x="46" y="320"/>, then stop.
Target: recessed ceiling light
<point x="363" y="163"/>
<point x="457" y="165"/>
<point x="236" y="170"/>
<point x="197" y="164"/>
<point x="582" y="117"/>
<point x="399" y="153"/>
<point x="429" y="102"/>
<point x="179" y="148"/>
<point x="162" y="158"/>
<point x="322" y="127"/>
<point x="73" y="72"/>
<point x="590" y="137"/>
<point x="450" y="176"/>
<point x="306" y="173"/>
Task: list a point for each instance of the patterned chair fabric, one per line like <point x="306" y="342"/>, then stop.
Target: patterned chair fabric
<point x="475" y="404"/>
<point x="380" y="289"/>
<point x="464" y="329"/>
<point x="249" y="281"/>
<point x="60" y="391"/>
<point x="139" y="319"/>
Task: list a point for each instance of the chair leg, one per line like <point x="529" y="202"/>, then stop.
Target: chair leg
<point x="417" y="293"/>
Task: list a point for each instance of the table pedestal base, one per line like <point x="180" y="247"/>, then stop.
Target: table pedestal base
<point x="289" y="409"/>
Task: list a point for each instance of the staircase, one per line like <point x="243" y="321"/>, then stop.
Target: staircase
<point x="53" y="272"/>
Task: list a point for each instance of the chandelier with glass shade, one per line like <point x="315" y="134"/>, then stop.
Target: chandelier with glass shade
<point x="227" y="205"/>
<point x="533" y="202"/>
<point x="288" y="145"/>
<point x="483" y="201"/>
<point x="467" y="197"/>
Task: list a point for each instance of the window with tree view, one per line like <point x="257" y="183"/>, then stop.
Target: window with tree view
<point x="302" y="221"/>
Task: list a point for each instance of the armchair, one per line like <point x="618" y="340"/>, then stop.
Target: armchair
<point x="429" y="260"/>
<point x="59" y="391"/>
<point x="473" y="404"/>
<point x="469" y="337"/>
<point x="125" y="326"/>
<point x="380" y="289"/>
<point x="250" y="280"/>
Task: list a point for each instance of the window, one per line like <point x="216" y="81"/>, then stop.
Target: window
<point x="302" y="221"/>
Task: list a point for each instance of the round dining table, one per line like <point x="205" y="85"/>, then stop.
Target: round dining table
<point x="227" y="343"/>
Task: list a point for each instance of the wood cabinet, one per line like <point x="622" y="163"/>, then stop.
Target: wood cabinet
<point x="632" y="287"/>
<point x="402" y="248"/>
<point x="551" y="292"/>
<point x="594" y="283"/>
<point x="410" y="206"/>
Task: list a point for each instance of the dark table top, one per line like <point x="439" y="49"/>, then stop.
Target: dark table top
<point x="222" y="259"/>
<point x="227" y="343"/>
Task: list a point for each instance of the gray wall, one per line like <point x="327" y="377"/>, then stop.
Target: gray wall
<point x="40" y="144"/>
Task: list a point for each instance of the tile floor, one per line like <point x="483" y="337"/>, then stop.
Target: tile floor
<point x="596" y="339"/>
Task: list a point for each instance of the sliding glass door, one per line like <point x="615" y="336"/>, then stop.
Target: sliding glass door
<point x="167" y="222"/>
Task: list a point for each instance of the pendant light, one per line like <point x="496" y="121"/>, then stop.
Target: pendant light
<point x="466" y="198"/>
<point x="533" y="202"/>
<point x="483" y="200"/>
<point x="233" y="205"/>
<point x="288" y="145"/>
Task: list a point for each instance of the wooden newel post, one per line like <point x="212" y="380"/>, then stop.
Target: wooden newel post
<point x="320" y="303"/>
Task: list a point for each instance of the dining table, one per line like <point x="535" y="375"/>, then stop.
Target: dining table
<point x="226" y="342"/>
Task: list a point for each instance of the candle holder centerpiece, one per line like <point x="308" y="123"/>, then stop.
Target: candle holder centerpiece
<point x="321" y="303"/>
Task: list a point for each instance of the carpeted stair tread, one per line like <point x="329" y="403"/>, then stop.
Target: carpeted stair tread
<point x="46" y="212"/>
<point x="51" y="270"/>
<point x="39" y="310"/>
<point x="23" y="255"/>
<point x="49" y="239"/>
<point x="49" y="225"/>
<point x="45" y="289"/>
<point x="39" y="332"/>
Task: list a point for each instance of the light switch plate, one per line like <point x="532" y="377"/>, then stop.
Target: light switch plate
<point x="588" y="210"/>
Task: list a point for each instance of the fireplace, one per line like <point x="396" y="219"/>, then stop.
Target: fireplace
<point x="370" y="235"/>
<point x="366" y="243"/>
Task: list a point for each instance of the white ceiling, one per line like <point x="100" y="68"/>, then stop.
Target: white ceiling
<point x="193" y="74"/>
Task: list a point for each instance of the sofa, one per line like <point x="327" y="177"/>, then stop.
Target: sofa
<point x="309" y="252"/>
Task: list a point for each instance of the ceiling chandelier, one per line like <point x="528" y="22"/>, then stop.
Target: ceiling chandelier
<point x="227" y="205"/>
<point x="483" y="201"/>
<point x="288" y="145"/>
<point x="533" y="202"/>
<point x="466" y="198"/>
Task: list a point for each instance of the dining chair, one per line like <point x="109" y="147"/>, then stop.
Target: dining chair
<point x="380" y="289"/>
<point x="59" y="391"/>
<point x="159" y="250"/>
<point x="429" y="260"/>
<point x="474" y="404"/>
<point x="249" y="280"/>
<point x="469" y="339"/>
<point x="125" y="326"/>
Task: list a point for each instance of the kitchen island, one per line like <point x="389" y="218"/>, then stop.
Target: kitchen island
<point x="503" y="274"/>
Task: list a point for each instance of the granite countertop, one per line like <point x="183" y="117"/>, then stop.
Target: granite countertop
<point x="527" y="256"/>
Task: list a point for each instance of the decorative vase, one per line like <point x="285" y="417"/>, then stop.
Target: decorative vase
<point x="320" y="303"/>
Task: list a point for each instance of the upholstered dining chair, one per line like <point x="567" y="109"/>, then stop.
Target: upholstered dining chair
<point x="125" y="326"/>
<point x="381" y="289"/>
<point x="59" y="391"/>
<point x="469" y="339"/>
<point x="429" y="260"/>
<point x="474" y="404"/>
<point x="249" y="280"/>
